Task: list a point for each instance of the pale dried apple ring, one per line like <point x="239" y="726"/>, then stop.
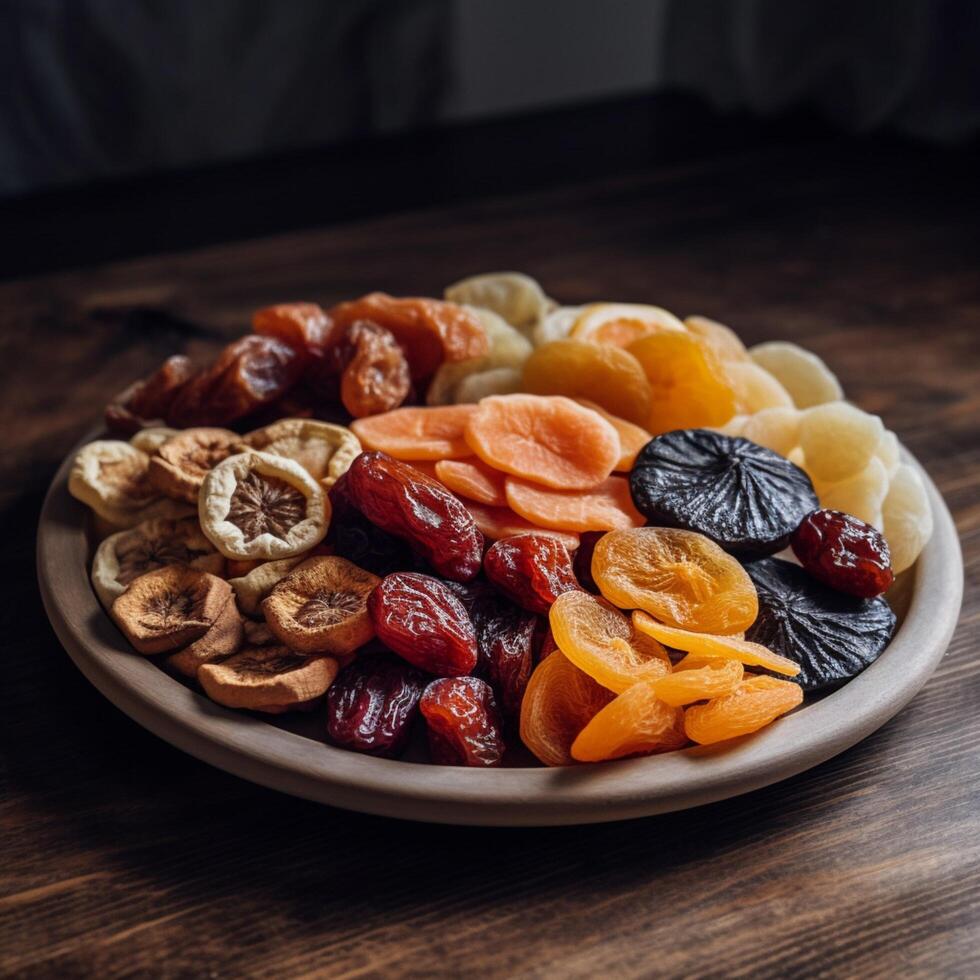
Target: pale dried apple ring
<point x="256" y="505"/>
<point x="153" y="544"/>
<point x="169" y="608"/>
<point x="324" y="450"/>
<point x="321" y="606"/>
<point x="112" y="477"/>
<point x="252" y="587"/>
<point x="272" y="679"/>
<point x="221" y="641"/>
<point x="181" y="463"/>
<point x="152" y="438"/>
<point x="516" y="297"/>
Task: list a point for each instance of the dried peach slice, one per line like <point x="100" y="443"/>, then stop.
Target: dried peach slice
<point x="254" y="585"/>
<point x="637" y="722"/>
<point x="168" y="608"/>
<point x="603" y="508"/>
<point x="714" y="678"/>
<point x="723" y="341"/>
<point x="321" y="606"/>
<point x="681" y="577"/>
<point x="600" y="640"/>
<point x="707" y="645"/>
<point x="552" y="441"/>
<point x="501" y="522"/>
<point x="181" y="463"/>
<point x="272" y="679"/>
<point x="473" y="479"/>
<point x="755" y="703"/>
<point x="632" y="438"/>
<point x="221" y="641"/>
<point x="559" y="702"/>
<point x="324" y="450"/>
<point x="607" y="375"/>
<point x="255" y="505"/>
<point x="622" y="323"/>
<point x="417" y="433"/>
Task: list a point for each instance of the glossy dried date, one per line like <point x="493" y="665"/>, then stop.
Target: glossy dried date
<point x="464" y="725"/>
<point x="376" y="378"/>
<point x="530" y="569"/>
<point x="148" y="402"/>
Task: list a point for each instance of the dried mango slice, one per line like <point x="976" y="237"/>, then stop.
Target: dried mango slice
<point x="473" y="479"/>
<point x="620" y="324"/>
<point x="501" y="522"/>
<point x="603" y="508"/>
<point x="755" y="703"/>
<point x="324" y="450"/>
<point x="252" y="587"/>
<point x="417" y="433"/>
<point x="516" y="297"/>
<point x="255" y="505"/>
<point x="221" y="641"/>
<point x="632" y="438"/>
<point x="181" y="463"/>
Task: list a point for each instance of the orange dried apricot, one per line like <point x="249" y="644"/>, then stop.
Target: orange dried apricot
<point x="547" y="440"/>
<point x="632" y="438"/>
<point x="600" y="640"/>
<point x="715" y="678"/>
<point x="474" y="480"/>
<point x="603" y="508"/>
<point x="681" y="577"/>
<point x="605" y="374"/>
<point x="621" y="323"/>
<point x="637" y="722"/>
<point x="559" y="702"/>
<point x="502" y="522"/>
<point x="417" y="433"/>
<point x="755" y="703"/>
<point x="725" y="343"/>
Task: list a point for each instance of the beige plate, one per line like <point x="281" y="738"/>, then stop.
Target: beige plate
<point x="258" y="750"/>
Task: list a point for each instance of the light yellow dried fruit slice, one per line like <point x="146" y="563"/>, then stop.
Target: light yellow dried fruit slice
<point x="755" y="388"/>
<point x="125" y="555"/>
<point x="321" y="606"/>
<point x="181" y="463"/>
<point x="804" y="375"/>
<point x="725" y="343"/>
<point x="516" y="297"/>
<point x="889" y="452"/>
<point x="256" y="505"/>
<point x="169" y="608"/>
<point x="861" y="495"/>
<point x="111" y="477"/>
<point x="755" y="703"/>
<point x="252" y="587"/>
<point x="221" y="641"/>
<point x="324" y="450"/>
<point x="777" y="429"/>
<point x="837" y="440"/>
<point x="149" y="440"/>
<point x="622" y="323"/>
<point x="484" y="384"/>
<point x="556" y="325"/>
<point x="907" y="517"/>
<point x="272" y="679"/>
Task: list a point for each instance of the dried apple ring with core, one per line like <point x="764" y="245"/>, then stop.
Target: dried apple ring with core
<point x="256" y="505"/>
<point x="755" y="703"/>
<point x="252" y="587"/>
<point x="272" y="679"/>
<point x="221" y="641"/>
<point x="111" y="477"/>
<point x="680" y="577"/>
<point x="181" y="463"/>
<point x="321" y="606"/>
<point x="153" y="544"/>
<point x="324" y="450"/>
<point x="152" y="438"/>
<point x="600" y="640"/>
<point x="169" y="608"/>
<point x="635" y="723"/>
<point x="517" y="298"/>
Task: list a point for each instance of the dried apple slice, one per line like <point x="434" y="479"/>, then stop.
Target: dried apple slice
<point x="152" y="438"/>
<point x="181" y="463"/>
<point x="272" y="679"/>
<point x="111" y="477"/>
<point x="321" y="606"/>
<point x="252" y="587"/>
<point x="256" y="505"/>
<point x="169" y="608"/>
<point x="322" y="449"/>
<point x="221" y="641"/>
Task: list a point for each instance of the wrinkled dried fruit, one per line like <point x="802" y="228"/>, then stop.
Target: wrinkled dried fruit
<point x="837" y="440"/>
<point x="832" y="636"/>
<point x="844" y="553"/>
<point x="907" y="517"/>
<point x="324" y="450"/>
<point x="605" y="507"/>
<point x="463" y="722"/>
<point x="149" y="440"/>
<point x="505" y="639"/>
<point x="712" y="678"/>
<point x="808" y="380"/>
<point x="181" y="463"/>
<point x="680" y="577"/>
<point x="722" y="340"/>
<point x="518" y="298"/>
<point x="582" y="564"/>
<point x="405" y="502"/>
<point x="417" y="433"/>
<point x="372" y="704"/>
<point x="111" y="477"/>
<point x="148" y="402"/>
<point x="303" y="326"/>
<point x="375" y="378"/>
<point x="532" y="570"/>
<point x="222" y="640"/>
<point x="755" y="703"/>
<point x="746" y="498"/>
<point x="423" y="620"/>
<point x="255" y="505"/>
<point x="254" y="584"/>
<point x="169" y="608"/>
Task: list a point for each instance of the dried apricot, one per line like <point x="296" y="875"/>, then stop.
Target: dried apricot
<point x="375" y="377"/>
<point x="502" y="522"/>
<point x="755" y="703"/>
<point x="632" y="438"/>
<point x="532" y="570"/>
<point x="473" y="479"/>
<point x="722" y="340"/>
<point x="712" y="678"/>
<point x="680" y="577"/>
<point x="620" y="324"/>
<point x="548" y="440"/>
<point x="603" y="508"/>
<point x="418" y="433"/>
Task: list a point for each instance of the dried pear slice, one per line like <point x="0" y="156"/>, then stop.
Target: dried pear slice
<point x="181" y="463"/>
<point x="152" y="438"/>
<point x="169" y="608"/>
<point x="111" y="477"/>
<point x="254" y="586"/>
<point x="271" y="679"/>
<point x="325" y="451"/>
<point x="321" y="606"/>
<point x="516" y="297"/>
<point x="256" y="505"/>
<point x="153" y="544"/>
<point x="220" y="642"/>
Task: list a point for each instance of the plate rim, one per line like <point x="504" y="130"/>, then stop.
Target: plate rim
<point x="622" y="789"/>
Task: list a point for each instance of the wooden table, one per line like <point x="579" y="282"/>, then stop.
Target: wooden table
<point x="119" y="855"/>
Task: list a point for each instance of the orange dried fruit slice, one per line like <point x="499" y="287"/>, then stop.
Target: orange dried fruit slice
<point x="560" y="700"/>
<point x="603" y="508"/>
<point x="714" y="678"/>
<point x="755" y="703"/>
<point x="632" y="438"/>
<point x="706" y="645"/>
<point x="637" y="722"/>
<point x="600" y="640"/>
<point x="680" y="577"/>
<point x="473" y="479"/>
<point x="620" y="324"/>
<point x="607" y="375"/>
<point x="501" y="522"/>
<point x="417" y="433"/>
<point x="552" y="441"/>
<point x="725" y="343"/>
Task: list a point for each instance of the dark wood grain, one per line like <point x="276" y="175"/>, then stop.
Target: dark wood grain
<point x="121" y="856"/>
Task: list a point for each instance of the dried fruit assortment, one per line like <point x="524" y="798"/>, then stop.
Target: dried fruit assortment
<point x="542" y="526"/>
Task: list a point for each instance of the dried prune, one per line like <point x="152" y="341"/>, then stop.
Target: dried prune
<point x="844" y="553"/>
<point x="463" y="722"/>
<point x="148" y="402"/>
<point x="743" y="496"/>
<point x="422" y="620"/>
<point x="376" y="377"/>
<point x="831" y="636"/>
<point x="403" y="501"/>
<point x="530" y="569"/>
<point x="582" y="565"/>
<point x="372" y="704"/>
